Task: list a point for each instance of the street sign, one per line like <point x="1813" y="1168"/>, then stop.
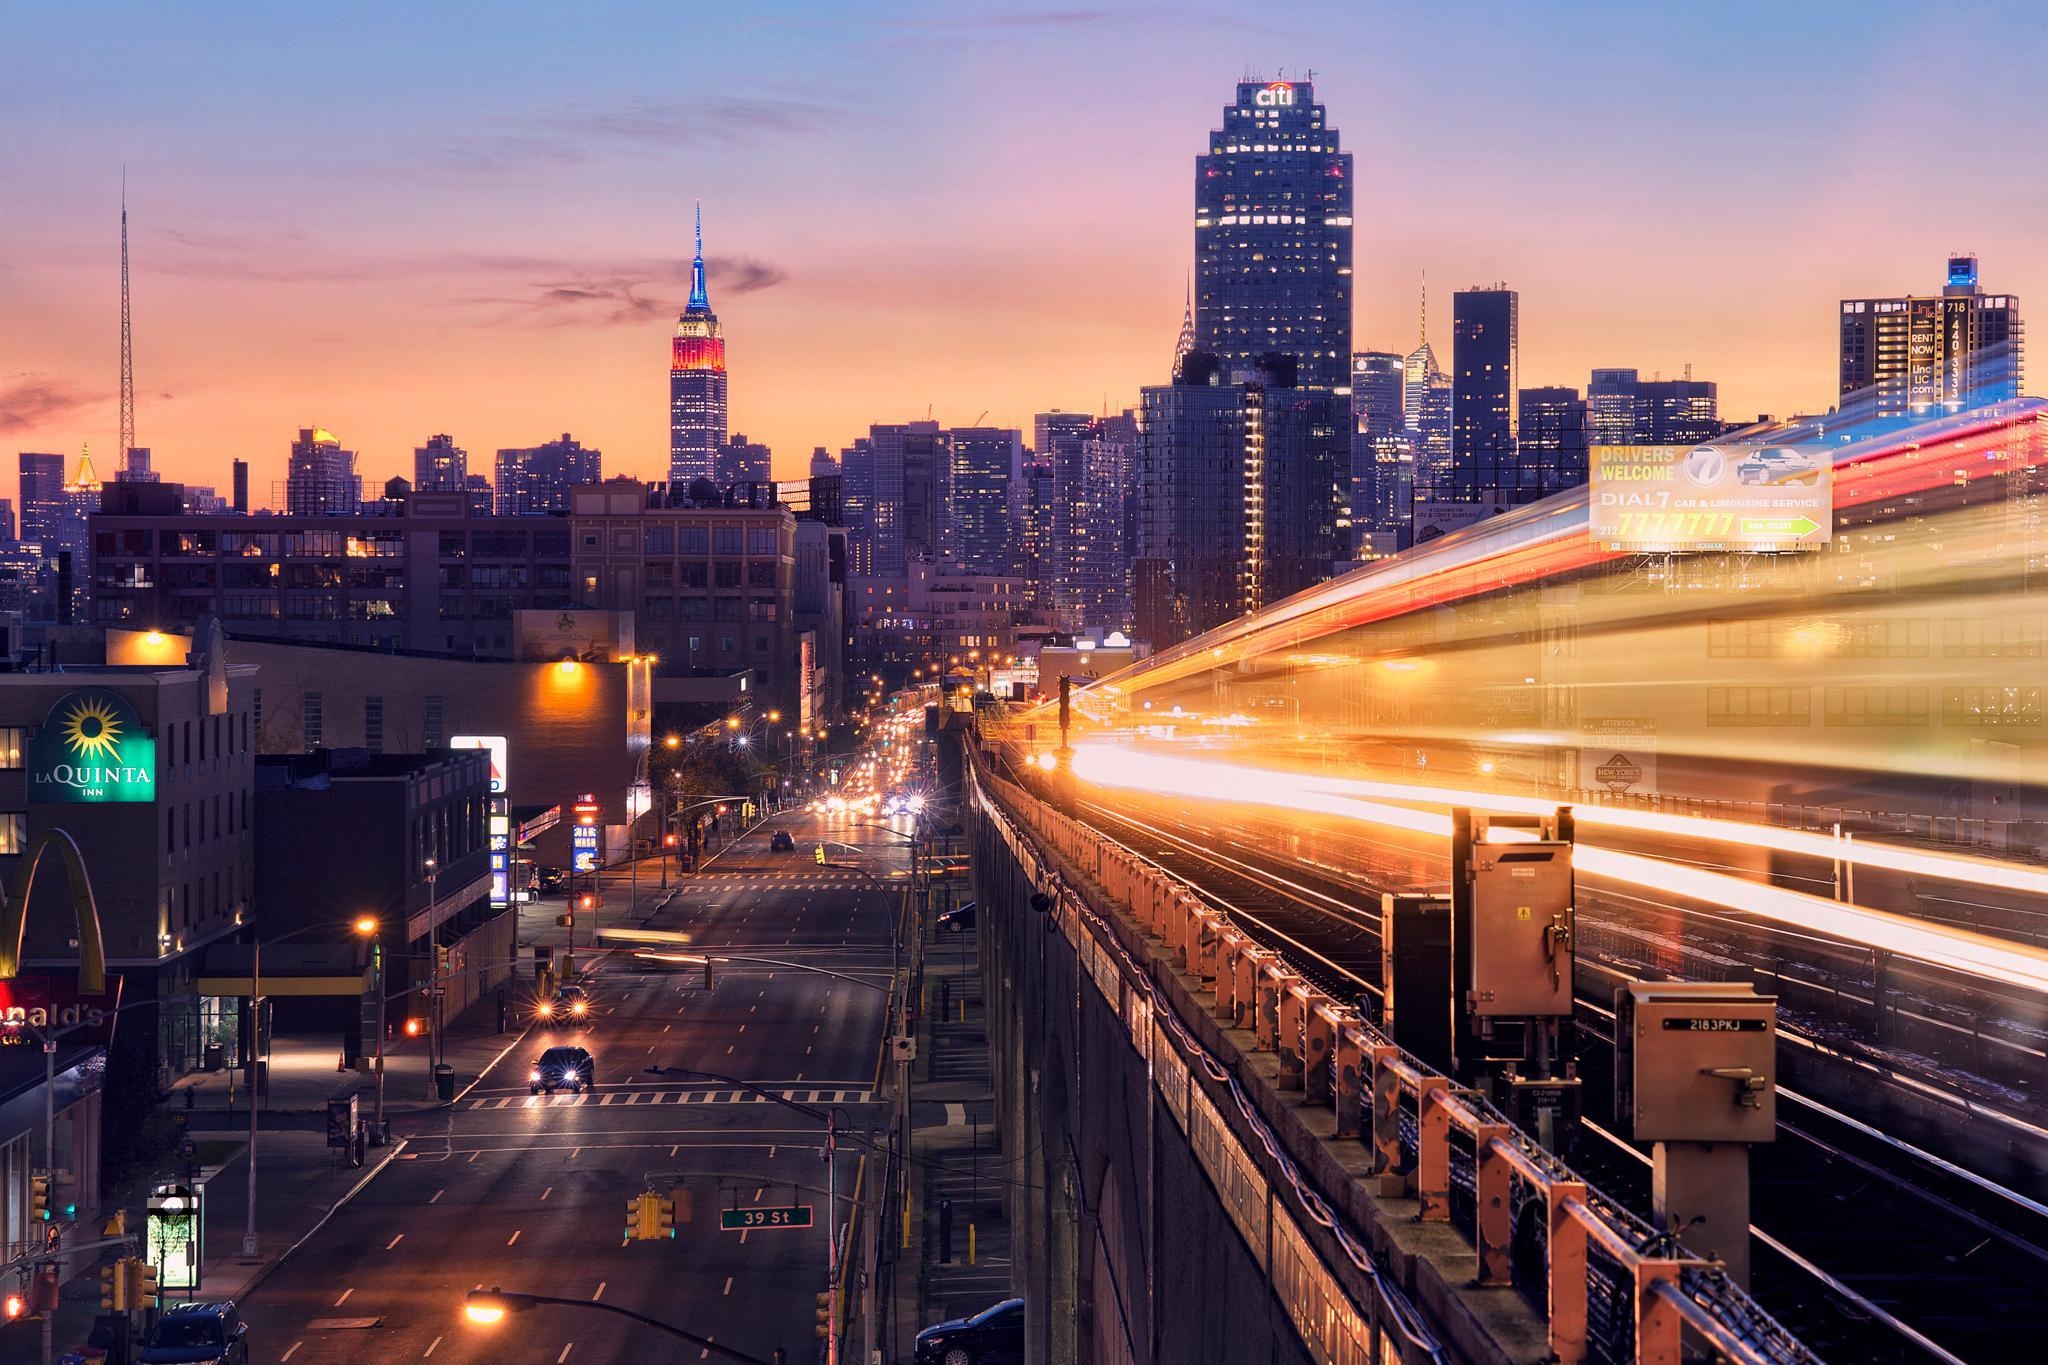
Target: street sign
<point x="583" y="844"/>
<point x="756" y="1219"/>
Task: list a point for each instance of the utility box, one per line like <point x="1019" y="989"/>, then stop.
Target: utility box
<point x="1695" y="1061"/>
<point x="1521" y="929"/>
<point x="1415" y="974"/>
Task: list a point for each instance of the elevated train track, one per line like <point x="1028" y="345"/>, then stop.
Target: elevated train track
<point x="1870" y="1247"/>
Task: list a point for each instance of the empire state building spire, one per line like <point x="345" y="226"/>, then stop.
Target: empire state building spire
<point x="696" y="381"/>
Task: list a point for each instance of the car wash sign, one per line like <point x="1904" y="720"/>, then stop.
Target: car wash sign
<point x="91" y="749"/>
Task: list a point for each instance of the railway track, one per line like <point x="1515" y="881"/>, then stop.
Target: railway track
<point x="1867" y="1247"/>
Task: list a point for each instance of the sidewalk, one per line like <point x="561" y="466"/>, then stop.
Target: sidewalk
<point x="956" y="1155"/>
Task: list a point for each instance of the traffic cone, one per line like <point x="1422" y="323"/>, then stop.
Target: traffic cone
<point x="342" y="1065"/>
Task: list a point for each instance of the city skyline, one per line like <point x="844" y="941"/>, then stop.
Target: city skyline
<point x="497" y="267"/>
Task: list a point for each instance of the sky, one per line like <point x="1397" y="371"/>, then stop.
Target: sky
<point x="392" y="220"/>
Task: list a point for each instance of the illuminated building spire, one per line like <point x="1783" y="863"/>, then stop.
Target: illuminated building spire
<point x="700" y="298"/>
<point x="1187" y="330"/>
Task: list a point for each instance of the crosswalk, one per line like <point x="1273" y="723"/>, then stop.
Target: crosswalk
<point x="743" y="880"/>
<point x="628" y="1098"/>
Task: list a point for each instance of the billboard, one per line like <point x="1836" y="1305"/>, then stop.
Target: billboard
<point x="1618" y="754"/>
<point x="496" y="746"/>
<point x="1711" y="498"/>
<point x="91" y="749"/>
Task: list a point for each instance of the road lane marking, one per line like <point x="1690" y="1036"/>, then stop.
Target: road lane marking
<point x="514" y="1237"/>
<point x="728" y="1284"/>
<point x="565" y="1353"/>
<point x="437" y="1196"/>
<point x="665" y="1027"/>
<point x="291" y="1349"/>
<point x="743" y="1028"/>
<point x="597" y="1293"/>
<point x="344" y="1296"/>
<point x="430" y="1348"/>
<point x="546" y="1192"/>
<point x="394" y="1241"/>
<point x="472" y="1156"/>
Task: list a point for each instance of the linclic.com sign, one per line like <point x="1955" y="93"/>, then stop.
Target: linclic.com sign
<point x="91" y="749"/>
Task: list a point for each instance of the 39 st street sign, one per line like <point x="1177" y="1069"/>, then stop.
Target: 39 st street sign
<point x="91" y="749"/>
<point x="757" y="1219"/>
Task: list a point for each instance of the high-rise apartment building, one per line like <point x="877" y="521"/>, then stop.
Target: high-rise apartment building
<point x="1921" y="356"/>
<point x="696" y="382"/>
<point x="1622" y="408"/>
<point x="1550" y="448"/>
<point x="440" y="466"/>
<point x="1273" y="236"/>
<point x="824" y="464"/>
<point x="1234" y="482"/>
<point x="1611" y="407"/>
<point x="1382" y="474"/>
<point x="239" y="498"/>
<point x="741" y="461"/>
<point x="1484" y="361"/>
<point x="42" y="496"/>
<point x="533" y="480"/>
<point x="857" y="503"/>
<point x="912" y="493"/>
<point x="988" y="496"/>
<point x="1087" y="559"/>
<point x="321" y="478"/>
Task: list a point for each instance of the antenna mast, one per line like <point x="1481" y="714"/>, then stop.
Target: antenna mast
<point x="127" y="339"/>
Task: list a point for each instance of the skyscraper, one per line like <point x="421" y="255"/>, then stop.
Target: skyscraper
<point x="42" y="497"/>
<point x="1234" y="483"/>
<point x="857" y="470"/>
<point x="1483" y="372"/>
<point x="1676" y="412"/>
<point x="912" y="493"/>
<point x="1382" y="472"/>
<point x="696" y="382"/>
<point x="321" y="478"/>
<point x="440" y="466"/>
<point x="988" y="496"/>
<point x="241" y="486"/>
<point x="1087" y="550"/>
<point x="1550" y="452"/>
<point x="1273" y="236"/>
<point x="1611" y="407"/>
<point x="535" y="480"/>
<point x="1921" y="356"/>
<point x="741" y="461"/>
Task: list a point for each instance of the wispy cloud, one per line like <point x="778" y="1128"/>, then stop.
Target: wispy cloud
<point x="30" y="401"/>
<point x="585" y="131"/>
<point x="621" y="294"/>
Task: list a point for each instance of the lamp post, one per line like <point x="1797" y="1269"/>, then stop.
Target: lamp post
<point x="433" y="868"/>
<point x="369" y="926"/>
<point x="249" y="1243"/>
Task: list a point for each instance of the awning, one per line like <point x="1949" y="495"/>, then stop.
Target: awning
<point x="287" y="984"/>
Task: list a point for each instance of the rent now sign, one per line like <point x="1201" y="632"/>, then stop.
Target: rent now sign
<point x="91" y="749"/>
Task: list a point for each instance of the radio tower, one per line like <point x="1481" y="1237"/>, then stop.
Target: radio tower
<point x="127" y="340"/>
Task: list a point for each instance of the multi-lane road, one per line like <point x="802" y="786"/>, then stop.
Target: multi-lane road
<point x="529" y="1193"/>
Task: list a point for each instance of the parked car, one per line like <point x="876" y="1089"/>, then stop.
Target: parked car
<point x="994" y="1336"/>
<point x="205" y="1333"/>
<point x="781" y="842"/>
<point x="958" y="920"/>
<point x="562" y="1068"/>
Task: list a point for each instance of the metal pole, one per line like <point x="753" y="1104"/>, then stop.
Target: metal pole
<point x="377" y="947"/>
<point x="50" y="1166"/>
<point x="255" y="1082"/>
<point x="434" y="972"/>
<point x="832" y="1236"/>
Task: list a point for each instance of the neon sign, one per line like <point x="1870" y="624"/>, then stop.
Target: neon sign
<point x="1274" y="96"/>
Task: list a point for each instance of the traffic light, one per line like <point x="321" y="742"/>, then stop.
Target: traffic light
<point x="39" y="1198"/>
<point x="823" y="1328"/>
<point x="15" y="1306"/>
<point x="633" y="1218"/>
<point x="114" y="1287"/>
<point x="117" y="1226"/>
<point x="664" y="1216"/>
<point x="412" y="1028"/>
<point x="441" y="958"/>
<point x="141" y="1285"/>
<point x="819" y="854"/>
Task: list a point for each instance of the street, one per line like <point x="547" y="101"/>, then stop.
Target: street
<point x="529" y="1193"/>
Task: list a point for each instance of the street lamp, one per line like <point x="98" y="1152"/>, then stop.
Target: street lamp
<point x="490" y="1307"/>
<point x="369" y="927"/>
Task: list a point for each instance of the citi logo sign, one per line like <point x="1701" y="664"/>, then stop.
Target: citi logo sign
<point x="1274" y="96"/>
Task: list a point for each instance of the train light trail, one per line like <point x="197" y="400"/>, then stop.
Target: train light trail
<point x="1972" y="954"/>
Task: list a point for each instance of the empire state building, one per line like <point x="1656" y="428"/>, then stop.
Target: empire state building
<point x="696" y="381"/>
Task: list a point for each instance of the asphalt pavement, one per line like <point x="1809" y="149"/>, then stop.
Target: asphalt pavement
<point x="528" y="1193"/>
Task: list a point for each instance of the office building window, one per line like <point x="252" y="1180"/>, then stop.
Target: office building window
<point x="373" y="724"/>
<point x="437" y="722"/>
<point x="314" y="716"/>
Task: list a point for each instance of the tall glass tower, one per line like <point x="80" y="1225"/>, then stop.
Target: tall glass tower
<point x="696" y="382"/>
<point x="1273" y="237"/>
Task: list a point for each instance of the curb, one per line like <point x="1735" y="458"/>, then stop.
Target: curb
<point x="487" y="1068"/>
<point x="263" y="1271"/>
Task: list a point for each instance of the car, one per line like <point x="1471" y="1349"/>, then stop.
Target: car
<point x="781" y="842"/>
<point x="958" y="920"/>
<point x="562" y="1068"/>
<point x="994" y="1336"/>
<point x="1776" y="465"/>
<point x="553" y="879"/>
<point x="203" y="1333"/>
<point x="569" y="1005"/>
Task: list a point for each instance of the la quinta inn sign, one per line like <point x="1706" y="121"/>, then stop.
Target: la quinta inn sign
<point x="91" y="749"/>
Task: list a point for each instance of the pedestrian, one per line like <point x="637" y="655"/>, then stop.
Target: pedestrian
<point x="504" y="1010"/>
<point x="945" y="1230"/>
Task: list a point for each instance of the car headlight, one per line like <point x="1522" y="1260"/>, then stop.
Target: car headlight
<point x="546" y="1010"/>
<point x="536" y="1074"/>
<point x="579" y="1008"/>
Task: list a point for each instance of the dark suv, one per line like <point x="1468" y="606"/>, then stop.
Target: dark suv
<point x="781" y="841"/>
<point x="198" y="1334"/>
<point x="994" y="1336"/>
<point x="562" y="1068"/>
